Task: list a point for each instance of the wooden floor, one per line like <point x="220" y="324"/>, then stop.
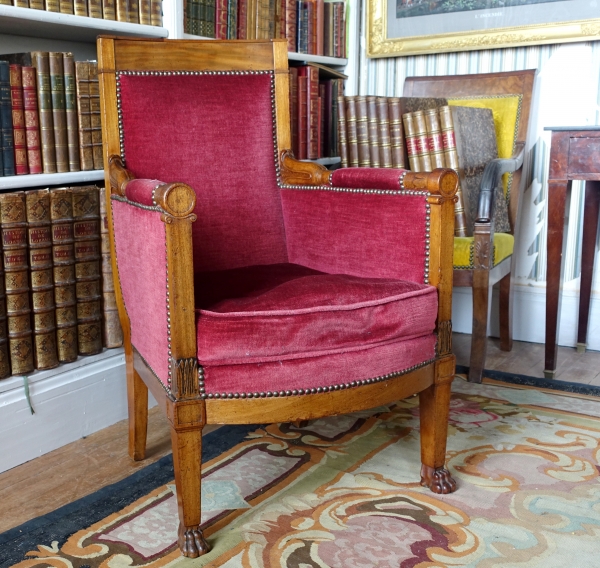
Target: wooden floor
<point x="71" y="472"/>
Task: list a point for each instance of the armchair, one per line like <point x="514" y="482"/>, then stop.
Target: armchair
<point x="253" y="287"/>
<point x="486" y="258"/>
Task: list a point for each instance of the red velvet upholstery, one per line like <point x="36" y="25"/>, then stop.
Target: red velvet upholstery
<point x="214" y="133"/>
<point x="367" y="178"/>
<point x="141" y="190"/>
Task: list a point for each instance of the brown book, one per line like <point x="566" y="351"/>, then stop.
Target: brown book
<point x="373" y="128"/>
<point x="342" y="132"/>
<point x="52" y="5"/>
<point x="59" y="112"/>
<point x="13" y="224"/>
<point x="383" y="132"/>
<point x="145" y="12"/>
<point x="434" y="138"/>
<point x="352" y="132"/>
<point x="4" y="354"/>
<point x="39" y="238"/>
<point x="302" y="118"/>
<point x="312" y="109"/>
<point x="33" y="4"/>
<point x="84" y="119"/>
<point x="294" y="110"/>
<point x="422" y="143"/>
<point x="71" y="112"/>
<point x="410" y="138"/>
<point x="291" y="27"/>
<point x="95" y="122"/>
<point x="111" y="326"/>
<point x="32" y="125"/>
<point x="67" y="7"/>
<point x="95" y="8"/>
<point x="41" y="62"/>
<point x="133" y="11"/>
<point x="398" y="150"/>
<point x="18" y="119"/>
<point x="362" y="132"/>
<point x="156" y="13"/>
<point x="109" y="11"/>
<point x="63" y="254"/>
<point x="121" y="10"/>
<point x="86" y="231"/>
<point x="81" y="7"/>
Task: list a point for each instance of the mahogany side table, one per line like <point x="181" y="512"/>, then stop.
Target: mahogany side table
<point x="574" y="154"/>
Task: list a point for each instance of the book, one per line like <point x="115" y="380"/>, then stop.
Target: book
<point x="351" y="132"/>
<point x="59" y="111"/>
<point x="121" y="10"/>
<point x="109" y="10"/>
<point x="52" y="5"/>
<point x="291" y="23"/>
<point x="80" y="8"/>
<point x="63" y="255"/>
<point x="421" y="141"/>
<point x="232" y="17"/>
<point x="84" y="117"/>
<point x="18" y="119"/>
<point x="86" y="232"/>
<point x="362" y="132"/>
<point x="112" y="332"/>
<point x="6" y="122"/>
<point x="41" y="62"/>
<point x="39" y="239"/>
<point x="294" y="110"/>
<point x="71" y="112"/>
<point x="342" y="132"/>
<point x="435" y="144"/>
<point x="66" y="7"/>
<point x="13" y="224"/>
<point x="32" y="123"/>
<point x="133" y="11"/>
<point x="156" y="18"/>
<point x="383" y="127"/>
<point x="302" y="117"/>
<point x="145" y="12"/>
<point x="4" y="354"/>
<point x="373" y="130"/>
<point x="221" y="19"/>
<point x="95" y="121"/>
<point x="397" y="148"/>
<point x="410" y="139"/>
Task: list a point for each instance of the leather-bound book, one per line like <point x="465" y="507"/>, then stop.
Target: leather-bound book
<point x="13" y="224"/>
<point x="81" y="7"/>
<point x="86" y="231"/>
<point x="362" y="132"/>
<point x="328" y="30"/>
<point x="63" y="254"/>
<point x="133" y="11"/>
<point x="39" y="238"/>
<point x="95" y="122"/>
<point x="4" y="355"/>
<point x="232" y="15"/>
<point x="145" y="12"/>
<point x="18" y="119"/>
<point x="410" y="138"/>
<point x="36" y="4"/>
<point x="312" y="92"/>
<point x="84" y="117"/>
<point x="337" y="89"/>
<point x="351" y="129"/>
<point x="71" y="112"/>
<point x="111" y="326"/>
<point x="221" y="19"/>
<point x="434" y="138"/>
<point x="342" y="131"/>
<point x="95" y="8"/>
<point x="156" y="13"/>
<point x="41" y="62"/>
<point x="6" y="121"/>
<point x="422" y="141"/>
<point x="302" y="117"/>
<point x="291" y="20"/>
<point x="373" y="128"/>
<point x="383" y="127"/>
<point x="242" y="20"/>
<point x="59" y="111"/>
<point x="67" y="6"/>
<point x="397" y="147"/>
<point x="32" y="124"/>
<point x="294" y="110"/>
<point x="109" y="11"/>
<point x="121" y="10"/>
<point x="21" y="3"/>
<point x="52" y="5"/>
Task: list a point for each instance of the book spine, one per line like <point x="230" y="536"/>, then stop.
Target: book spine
<point x="52" y="5"/>
<point x="95" y="121"/>
<point x="121" y="10"/>
<point x="145" y="12"/>
<point x="242" y="22"/>
<point x="422" y="141"/>
<point x="71" y="112"/>
<point x="86" y="231"/>
<point x="32" y="125"/>
<point x="373" y="128"/>
<point x="351" y="129"/>
<point x="13" y="224"/>
<point x="82" y="80"/>
<point x="410" y="135"/>
<point x="328" y="30"/>
<point x="8" y="144"/>
<point x="451" y="161"/>
<point x="95" y="8"/>
<point x="59" y="112"/>
<point x="334" y="151"/>
<point x="111" y="326"/>
<point x="383" y="128"/>
<point x="221" y="19"/>
<point x="80" y="8"/>
<point x="326" y="92"/>
<point x="67" y="7"/>
<point x="396" y="133"/>
<point x="63" y="255"/>
<point x="39" y="238"/>
<point x="302" y="117"/>
<point x="21" y="3"/>
<point x="156" y="13"/>
<point x="18" y="120"/>
<point x="210" y="7"/>
<point x="310" y="26"/>
<point x="320" y="26"/>
<point x="4" y="354"/>
<point x="362" y="132"/>
<point x="232" y="15"/>
<point x="291" y="24"/>
<point x="342" y="132"/>
<point x="313" y="109"/>
<point x="133" y="11"/>
<point x="41" y="63"/>
<point x="33" y="4"/>
<point x="294" y="110"/>
<point x="434" y="138"/>
<point x="109" y="11"/>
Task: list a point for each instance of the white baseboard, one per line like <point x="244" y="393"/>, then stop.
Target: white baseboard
<point x="529" y="314"/>
<point x="70" y="402"/>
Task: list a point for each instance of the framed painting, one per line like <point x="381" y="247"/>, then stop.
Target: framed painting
<point x="413" y="27"/>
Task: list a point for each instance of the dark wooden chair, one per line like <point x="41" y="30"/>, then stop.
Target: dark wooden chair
<point x="253" y="287"/>
<point x="509" y="95"/>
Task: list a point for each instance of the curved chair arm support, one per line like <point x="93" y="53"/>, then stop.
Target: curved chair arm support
<point x="491" y="178"/>
<point x="297" y="172"/>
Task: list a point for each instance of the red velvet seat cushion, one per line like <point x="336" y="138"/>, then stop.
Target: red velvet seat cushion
<point x="282" y="312"/>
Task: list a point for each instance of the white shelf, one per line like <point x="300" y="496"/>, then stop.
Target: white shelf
<point x="325" y="161"/>
<point x="44" y="180"/>
<point x="53" y="25"/>
<point x="310" y="58"/>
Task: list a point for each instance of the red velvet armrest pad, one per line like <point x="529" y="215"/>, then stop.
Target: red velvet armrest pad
<point x="357" y="233"/>
<point x="367" y="178"/>
<point x="141" y="191"/>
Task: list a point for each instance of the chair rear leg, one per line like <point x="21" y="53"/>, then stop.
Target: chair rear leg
<point x="481" y="285"/>
<point x="434" y="405"/>
<point x="137" y="407"/>
<point x="506" y="312"/>
<point x="187" y="462"/>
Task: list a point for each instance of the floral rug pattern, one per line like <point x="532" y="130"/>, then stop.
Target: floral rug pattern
<point x="344" y="492"/>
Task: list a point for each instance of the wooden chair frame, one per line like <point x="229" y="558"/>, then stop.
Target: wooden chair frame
<point x="483" y="276"/>
<point x="186" y="406"/>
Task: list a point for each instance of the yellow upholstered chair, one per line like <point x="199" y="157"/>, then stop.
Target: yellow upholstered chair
<point x="486" y="257"/>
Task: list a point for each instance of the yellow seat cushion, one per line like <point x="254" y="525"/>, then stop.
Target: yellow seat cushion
<point x="504" y="244"/>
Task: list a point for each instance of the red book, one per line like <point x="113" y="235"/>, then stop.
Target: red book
<point x="221" y="19"/>
<point x="32" y="124"/>
<point x="294" y="110"/>
<point x="320" y="26"/>
<point x="312" y="89"/>
<point x="302" y="117"/>
<point x="242" y="21"/>
<point x="291" y="21"/>
<point x="319" y="127"/>
<point x="311" y="13"/>
<point x="18" y="119"/>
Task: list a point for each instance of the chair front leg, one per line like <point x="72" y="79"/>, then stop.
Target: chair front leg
<point x="506" y="311"/>
<point x="137" y="407"/>
<point x="434" y="406"/>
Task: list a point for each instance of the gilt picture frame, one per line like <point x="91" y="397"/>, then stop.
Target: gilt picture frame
<point x="415" y="27"/>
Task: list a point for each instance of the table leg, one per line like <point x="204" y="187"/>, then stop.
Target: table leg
<point x="557" y="193"/>
<point x="588" y="252"/>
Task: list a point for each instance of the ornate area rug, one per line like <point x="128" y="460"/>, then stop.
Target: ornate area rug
<point x="343" y="492"/>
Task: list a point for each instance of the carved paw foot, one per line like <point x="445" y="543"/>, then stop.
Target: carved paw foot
<point x="191" y="542"/>
<point x="438" y="480"/>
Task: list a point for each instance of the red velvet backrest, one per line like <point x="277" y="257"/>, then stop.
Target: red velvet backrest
<point x="215" y="132"/>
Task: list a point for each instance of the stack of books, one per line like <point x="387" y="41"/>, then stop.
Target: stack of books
<point x="49" y="114"/>
<point x="58" y="297"/>
<point x="148" y="12"/>
<point x="310" y="26"/>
